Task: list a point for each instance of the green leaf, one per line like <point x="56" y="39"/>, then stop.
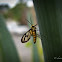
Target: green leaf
<point x="35" y="54"/>
<point x="8" y="52"/>
<point x="49" y="15"/>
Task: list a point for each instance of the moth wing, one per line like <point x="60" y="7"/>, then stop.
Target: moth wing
<point x="26" y="37"/>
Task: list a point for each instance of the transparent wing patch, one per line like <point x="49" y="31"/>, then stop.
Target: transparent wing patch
<point x="26" y="37"/>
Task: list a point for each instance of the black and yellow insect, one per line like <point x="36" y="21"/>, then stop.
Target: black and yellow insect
<point x="28" y="34"/>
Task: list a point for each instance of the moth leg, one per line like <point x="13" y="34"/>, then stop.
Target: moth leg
<point x="37" y="30"/>
<point x="38" y="36"/>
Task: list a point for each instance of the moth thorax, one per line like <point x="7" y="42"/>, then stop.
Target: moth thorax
<point x="33" y="28"/>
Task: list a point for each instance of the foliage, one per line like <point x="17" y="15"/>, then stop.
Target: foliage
<point x="16" y="12"/>
<point x="8" y="51"/>
<point x="49" y="15"/>
<point x="36" y="48"/>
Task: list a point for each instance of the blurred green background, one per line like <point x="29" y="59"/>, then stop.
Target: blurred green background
<point x="13" y="24"/>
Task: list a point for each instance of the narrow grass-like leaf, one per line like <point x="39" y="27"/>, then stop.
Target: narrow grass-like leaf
<point x="8" y="52"/>
<point x="34" y="46"/>
<point x="49" y="15"/>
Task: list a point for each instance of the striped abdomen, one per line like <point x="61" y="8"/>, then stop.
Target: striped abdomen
<point x="34" y="36"/>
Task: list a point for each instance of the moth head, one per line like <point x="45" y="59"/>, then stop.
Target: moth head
<point x="33" y="27"/>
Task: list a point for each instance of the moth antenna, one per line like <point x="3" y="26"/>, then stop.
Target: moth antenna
<point x="29" y="22"/>
<point x="35" y="25"/>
